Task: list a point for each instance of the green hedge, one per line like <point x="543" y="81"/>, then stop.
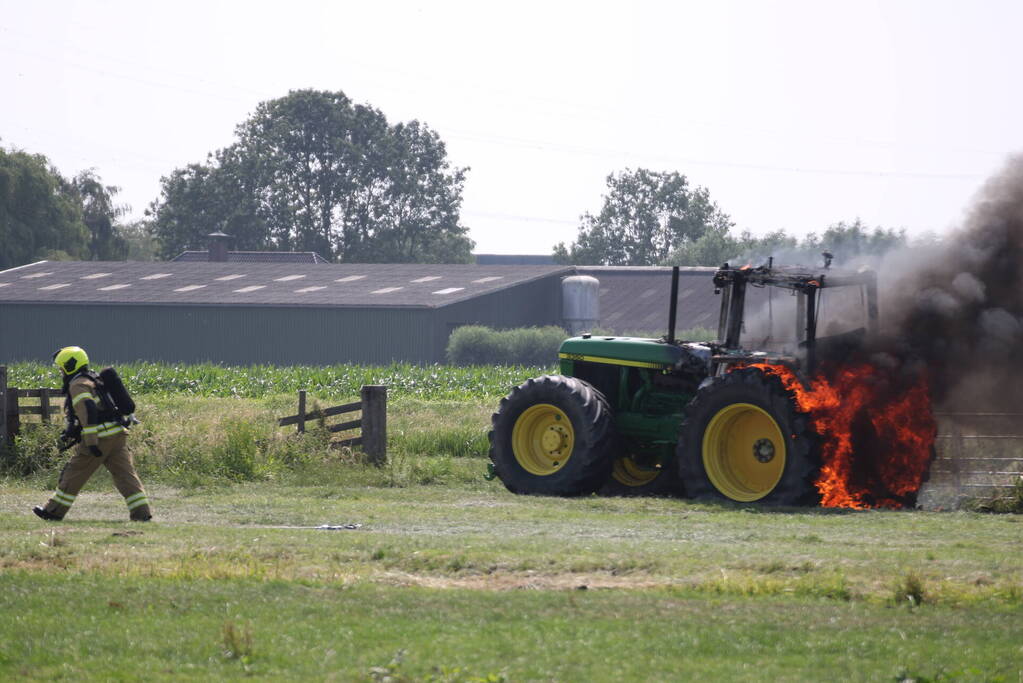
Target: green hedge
<point x="480" y="345"/>
<point x="536" y="346"/>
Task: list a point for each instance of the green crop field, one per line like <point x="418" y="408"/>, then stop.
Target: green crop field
<point x="442" y="575"/>
<point x="428" y="382"/>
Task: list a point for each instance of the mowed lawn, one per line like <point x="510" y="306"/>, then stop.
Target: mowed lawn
<point x="465" y="582"/>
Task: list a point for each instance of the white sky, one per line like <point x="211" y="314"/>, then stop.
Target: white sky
<point x="793" y="114"/>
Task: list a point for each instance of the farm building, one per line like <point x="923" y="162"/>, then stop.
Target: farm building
<point x="239" y="312"/>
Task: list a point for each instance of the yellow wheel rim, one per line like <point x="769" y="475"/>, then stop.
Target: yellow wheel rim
<point x="743" y="452"/>
<point x="627" y="472"/>
<point x="542" y="439"/>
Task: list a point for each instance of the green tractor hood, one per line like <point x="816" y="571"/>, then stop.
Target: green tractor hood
<point x="629" y="351"/>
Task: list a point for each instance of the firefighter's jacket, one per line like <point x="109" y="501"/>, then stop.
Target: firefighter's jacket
<point x="97" y="419"/>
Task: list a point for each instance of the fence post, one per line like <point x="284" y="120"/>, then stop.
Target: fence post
<point x="13" y="413"/>
<point x="44" y="403"/>
<point x="3" y="405"/>
<point x="374" y="423"/>
<point x="301" y="411"/>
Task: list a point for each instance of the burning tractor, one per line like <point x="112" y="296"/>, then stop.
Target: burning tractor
<point x="664" y="416"/>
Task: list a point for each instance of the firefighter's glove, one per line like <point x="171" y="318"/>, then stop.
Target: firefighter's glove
<point x="96" y="451"/>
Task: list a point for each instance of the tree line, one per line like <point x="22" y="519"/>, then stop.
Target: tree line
<point x="313" y="171"/>
<point x="44" y="215"/>
<point x="658" y="218"/>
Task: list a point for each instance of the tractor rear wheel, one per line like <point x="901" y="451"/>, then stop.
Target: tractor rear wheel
<point x="553" y="436"/>
<point x="743" y="440"/>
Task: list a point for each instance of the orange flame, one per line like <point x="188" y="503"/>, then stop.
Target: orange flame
<point x="876" y="433"/>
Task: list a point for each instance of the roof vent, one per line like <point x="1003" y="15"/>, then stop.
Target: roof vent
<point x="218" y="246"/>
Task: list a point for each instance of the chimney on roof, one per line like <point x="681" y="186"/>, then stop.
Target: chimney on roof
<point x="218" y="246"/>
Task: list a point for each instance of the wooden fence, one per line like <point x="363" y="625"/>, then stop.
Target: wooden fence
<point x="372" y="423"/>
<point x="11" y="407"/>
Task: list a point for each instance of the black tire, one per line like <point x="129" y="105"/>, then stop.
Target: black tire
<point x="554" y="458"/>
<point x="746" y="411"/>
<point x="627" y="478"/>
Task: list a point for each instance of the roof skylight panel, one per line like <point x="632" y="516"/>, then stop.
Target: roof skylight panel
<point x="488" y="279"/>
<point x="250" y="288"/>
<point x="109" y="288"/>
<point x="33" y="276"/>
<point x="449" y="290"/>
<point x="350" y="278"/>
<point x="386" y="290"/>
<point x="235" y="276"/>
<point x="47" y="287"/>
<point x="428" y="278"/>
<point x="155" y="276"/>
<point x="288" y="278"/>
<point x="95" y="276"/>
<point x="189" y="288"/>
<point x="310" y="289"/>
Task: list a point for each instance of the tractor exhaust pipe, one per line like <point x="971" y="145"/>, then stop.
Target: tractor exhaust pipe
<point x="673" y="306"/>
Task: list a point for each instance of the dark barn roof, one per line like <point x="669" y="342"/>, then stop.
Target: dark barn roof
<point x="635" y="298"/>
<point x="243" y="284"/>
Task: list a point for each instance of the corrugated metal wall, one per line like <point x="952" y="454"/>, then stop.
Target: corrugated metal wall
<point x="229" y="335"/>
<point x="281" y="335"/>
<point x="529" y="304"/>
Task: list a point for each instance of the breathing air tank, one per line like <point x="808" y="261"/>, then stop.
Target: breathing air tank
<point x="123" y="402"/>
<point x="580" y="303"/>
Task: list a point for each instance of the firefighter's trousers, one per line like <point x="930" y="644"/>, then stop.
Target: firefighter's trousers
<point x="83" y="464"/>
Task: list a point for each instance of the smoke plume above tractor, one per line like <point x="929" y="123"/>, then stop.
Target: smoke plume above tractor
<point x="958" y="308"/>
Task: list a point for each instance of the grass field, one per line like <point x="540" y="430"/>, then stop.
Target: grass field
<point x="463" y="581"/>
<point x="448" y="577"/>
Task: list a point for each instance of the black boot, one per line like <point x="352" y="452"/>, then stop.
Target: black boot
<point x="43" y="513"/>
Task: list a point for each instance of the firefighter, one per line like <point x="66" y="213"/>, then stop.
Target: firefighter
<point x="103" y="442"/>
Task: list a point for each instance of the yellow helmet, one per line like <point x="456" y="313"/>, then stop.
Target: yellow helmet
<point x="71" y="359"/>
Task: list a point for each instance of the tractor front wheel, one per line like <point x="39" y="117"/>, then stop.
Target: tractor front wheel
<point x="552" y="435"/>
<point x="744" y="440"/>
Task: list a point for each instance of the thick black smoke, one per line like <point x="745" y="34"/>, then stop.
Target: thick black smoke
<point x="958" y="307"/>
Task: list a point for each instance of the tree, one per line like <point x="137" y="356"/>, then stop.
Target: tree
<point x="313" y="172"/>
<point x="40" y="216"/>
<point x="100" y="215"/>
<point x="204" y="198"/>
<point x="847" y="242"/>
<point x="142" y="243"/>
<point x="418" y="219"/>
<point x="646" y="215"/>
<point x="713" y="247"/>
